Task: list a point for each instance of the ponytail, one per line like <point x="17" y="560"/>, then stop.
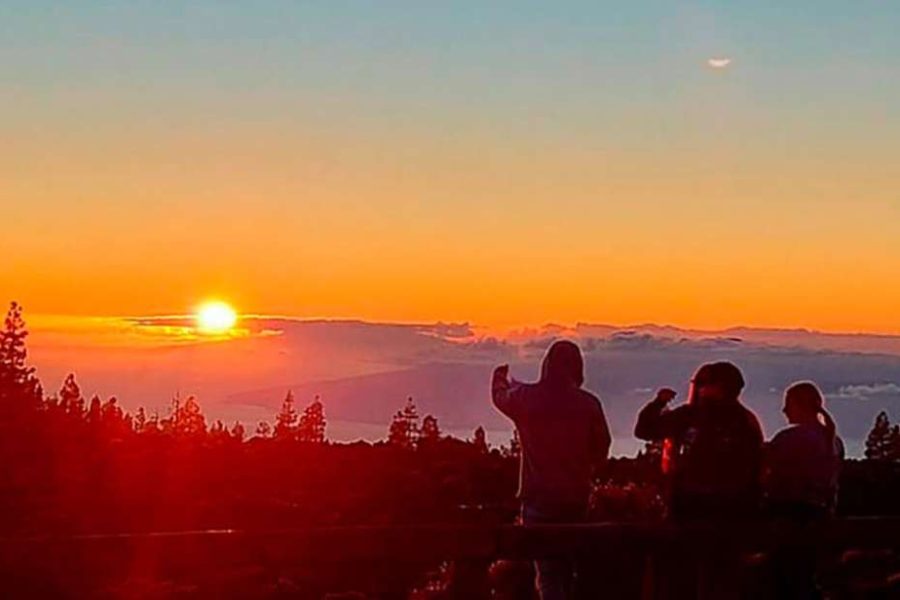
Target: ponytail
<point x="830" y="427"/>
<point x="808" y="396"/>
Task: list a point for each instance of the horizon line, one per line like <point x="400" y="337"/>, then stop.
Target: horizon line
<point x="513" y="329"/>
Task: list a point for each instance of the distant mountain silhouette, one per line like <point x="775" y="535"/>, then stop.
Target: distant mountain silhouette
<point x="365" y="371"/>
<point x="624" y="369"/>
<point x="456" y="393"/>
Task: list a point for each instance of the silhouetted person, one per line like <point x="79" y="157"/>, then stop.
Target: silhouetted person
<point x="803" y="460"/>
<point x="716" y="445"/>
<point x="564" y="438"/>
<point x="801" y="478"/>
<point x="713" y="447"/>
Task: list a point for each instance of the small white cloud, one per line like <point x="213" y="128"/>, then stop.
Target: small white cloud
<point x="864" y="392"/>
<point x="718" y="62"/>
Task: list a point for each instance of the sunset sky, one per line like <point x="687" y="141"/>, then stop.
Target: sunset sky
<point x="503" y="163"/>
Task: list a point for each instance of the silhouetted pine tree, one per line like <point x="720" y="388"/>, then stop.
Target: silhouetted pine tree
<point x="286" y="419"/>
<point x="140" y="420"/>
<point x="878" y="443"/>
<point x="70" y="399"/>
<point x="893" y="452"/>
<point x="312" y="423"/>
<point x="397" y="432"/>
<point x="404" y="429"/>
<point x="94" y="412"/>
<point x="411" y="416"/>
<point x="167" y="425"/>
<point x="153" y="425"/>
<point x="480" y="440"/>
<point x="431" y="431"/>
<point x="20" y="390"/>
<point x="190" y="420"/>
<point x="115" y="422"/>
<point x="218" y="431"/>
<point x="185" y="419"/>
<point x="263" y="429"/>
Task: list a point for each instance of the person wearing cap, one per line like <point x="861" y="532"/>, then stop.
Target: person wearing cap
<point x="716" y="445"/>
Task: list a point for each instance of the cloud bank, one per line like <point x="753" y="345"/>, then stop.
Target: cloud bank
<point x="364" y="371"/>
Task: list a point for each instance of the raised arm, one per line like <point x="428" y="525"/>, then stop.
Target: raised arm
<point x="503" y="393"/>
<point x="655" y="422"/>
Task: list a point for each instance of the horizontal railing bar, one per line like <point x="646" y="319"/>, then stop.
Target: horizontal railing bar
<point x="473" y="542"/>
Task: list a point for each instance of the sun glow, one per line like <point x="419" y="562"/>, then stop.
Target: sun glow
<point x="215" y="317"/>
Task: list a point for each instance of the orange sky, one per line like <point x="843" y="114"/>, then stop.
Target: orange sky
<point x="517" y="239"/>
<point x="400" y="231"/>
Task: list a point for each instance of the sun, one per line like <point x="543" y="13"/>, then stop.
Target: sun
<point x="215" y="317"/>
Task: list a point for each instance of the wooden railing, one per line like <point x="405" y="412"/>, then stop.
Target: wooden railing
<point x="478" y="541"/>
<point x="467" y="545"/>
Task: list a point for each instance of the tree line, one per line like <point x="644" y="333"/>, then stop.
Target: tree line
<point x="22" y="394"/>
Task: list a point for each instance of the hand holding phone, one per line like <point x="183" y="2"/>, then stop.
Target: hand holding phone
<point x="665" y="395"/>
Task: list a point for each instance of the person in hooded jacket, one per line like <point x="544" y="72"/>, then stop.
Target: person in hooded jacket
<point x="564" y="438"/>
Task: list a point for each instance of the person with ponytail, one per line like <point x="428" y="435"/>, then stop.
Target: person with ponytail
<point x="800" y="479"/>
<point x="803" y="460"/>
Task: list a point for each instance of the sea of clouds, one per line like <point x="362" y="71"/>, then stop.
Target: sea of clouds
<point x="365" y="371"/>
